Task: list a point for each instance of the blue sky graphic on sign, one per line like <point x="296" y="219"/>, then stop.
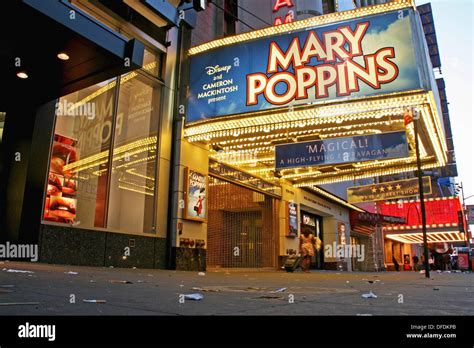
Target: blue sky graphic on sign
<point x="342" y="150"/>
<point x="356" y="58"/>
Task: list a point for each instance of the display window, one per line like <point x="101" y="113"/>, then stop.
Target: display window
<point x="103" y="155"/>
<point x="78" y="170"/>
<point x="134" y="163"/>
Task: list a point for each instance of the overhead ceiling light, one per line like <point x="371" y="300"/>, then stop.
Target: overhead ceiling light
<point x="63" y="56"/>
<point x="22" y="75"/>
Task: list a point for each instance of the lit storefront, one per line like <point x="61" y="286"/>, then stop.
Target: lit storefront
<point x="96" y="176"/>
<point x="442" y="223"/>
<point x="312" y="102"/>
<point x="108" y="180"/>
<point x="148" y="168"/>
<point x="367" y="230"/>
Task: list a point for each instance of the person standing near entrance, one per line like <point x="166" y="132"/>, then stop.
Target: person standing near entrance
<point x="395" y="263"/>
<point x="306" y="249"/>
<point x="415" y="263"/>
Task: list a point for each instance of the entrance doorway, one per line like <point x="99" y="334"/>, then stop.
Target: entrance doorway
<point x="242" y="227"/>
<point x="314" y="225"/>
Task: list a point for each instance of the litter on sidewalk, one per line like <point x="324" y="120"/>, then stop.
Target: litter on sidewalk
<point x="280" y="290"/>
<point x="19" y="304"/>
<point x="202" y="273"/>
<point x="9" y="270"/>
<point x="369" y="295"/>
<point x="71" y="273"/>
<point x="196" y="288"/>
<point x="194" y="297"/>
<point x="121" y="282"/>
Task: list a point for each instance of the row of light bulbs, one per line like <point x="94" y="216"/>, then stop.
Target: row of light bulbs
<point x="303" y="24"/>
<point x="299" y="119"/>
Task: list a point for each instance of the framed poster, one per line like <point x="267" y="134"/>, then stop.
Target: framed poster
<point x="406" y="262"/>
<point x="292" y="213"/>
<point x="463" y="261"/>
<point x="341" y="228"/>
<point x="195" y="193"/>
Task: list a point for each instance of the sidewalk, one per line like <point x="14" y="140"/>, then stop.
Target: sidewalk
<point x="157" y="292"/>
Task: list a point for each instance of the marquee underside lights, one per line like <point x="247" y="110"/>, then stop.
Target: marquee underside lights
<point x="249" y="141"/>
<point x="433" y="237"/>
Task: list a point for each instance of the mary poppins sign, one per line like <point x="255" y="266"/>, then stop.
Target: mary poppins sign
<point x="355" y="58"/>
<point x="342" y="150"/>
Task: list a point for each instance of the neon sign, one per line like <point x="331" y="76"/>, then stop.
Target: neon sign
<point x="290" y="17"/>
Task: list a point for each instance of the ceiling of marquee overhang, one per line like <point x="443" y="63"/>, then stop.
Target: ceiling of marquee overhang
<point x="249" y="141"/>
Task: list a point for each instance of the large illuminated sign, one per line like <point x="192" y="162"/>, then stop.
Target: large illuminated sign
<point x="388" y="190"/>
<point x="354" y="58"/>
<point x="341" y="150"/>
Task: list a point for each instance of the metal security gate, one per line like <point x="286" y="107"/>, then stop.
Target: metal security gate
<point x="242" y="227"/>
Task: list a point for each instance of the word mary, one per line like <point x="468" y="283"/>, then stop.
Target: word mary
<point x="335" y="50"/>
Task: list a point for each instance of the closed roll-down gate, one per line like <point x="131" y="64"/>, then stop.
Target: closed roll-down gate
<point x="242" y="227"/>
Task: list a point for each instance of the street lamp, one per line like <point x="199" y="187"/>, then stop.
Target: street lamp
<point x="459" y="188"/>
<point x="420" y="187"/>
<point x="419" y="217"/>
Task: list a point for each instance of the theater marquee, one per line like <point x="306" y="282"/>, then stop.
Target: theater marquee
<point x="361" y="57"/>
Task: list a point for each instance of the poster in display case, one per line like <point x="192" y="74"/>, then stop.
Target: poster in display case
<point x="292" y="215"/>
<point x="61" y="202"/>
<point x="196" y="187"/>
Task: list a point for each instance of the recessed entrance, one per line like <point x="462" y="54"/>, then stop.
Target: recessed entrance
<point x="242" y="228"/>
<point x="314" y="225"/>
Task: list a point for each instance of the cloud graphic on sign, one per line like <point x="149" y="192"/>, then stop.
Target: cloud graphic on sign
<point x="399" y="36"/>
<point x="231" y="108"/>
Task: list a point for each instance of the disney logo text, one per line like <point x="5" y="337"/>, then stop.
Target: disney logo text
<point x="211" y="70"/>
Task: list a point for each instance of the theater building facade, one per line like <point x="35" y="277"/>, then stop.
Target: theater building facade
<point x="290" y="107"/>
<point x="211" y="151"/>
